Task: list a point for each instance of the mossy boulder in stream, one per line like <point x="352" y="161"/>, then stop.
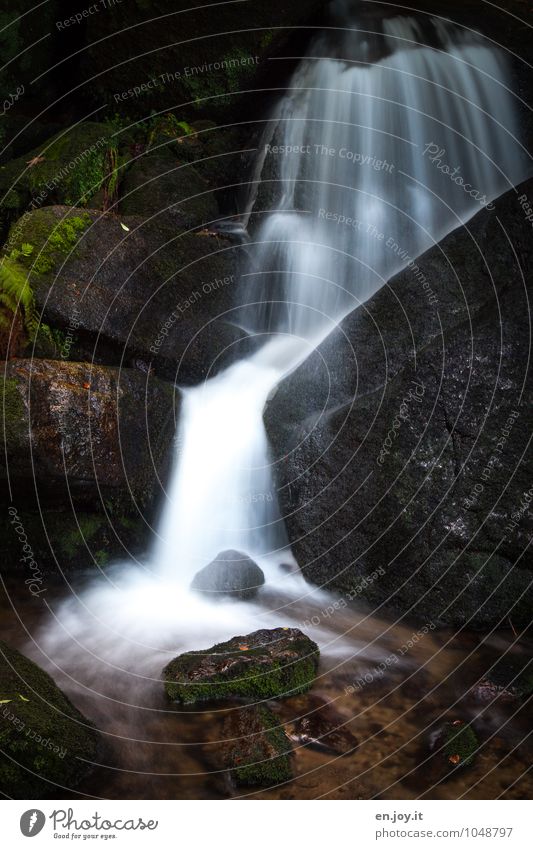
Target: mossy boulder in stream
<point x="174" y="52"/>
<point x="257" y="750"/>
<point x="70" y="168"/>
<point x="262" y="665"/>
<point x="47" y="746"/>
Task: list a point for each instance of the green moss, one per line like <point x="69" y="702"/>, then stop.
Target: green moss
<point x="58" y="542"/>
<point x="60" y="243"/>
<point x="102" y="557"/>
<point x="253" y="681"/>
<point x="460" y="741"/>
<point x="167" y="126"/>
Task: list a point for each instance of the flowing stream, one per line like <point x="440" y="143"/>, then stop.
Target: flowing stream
<point x="364" y="156"/>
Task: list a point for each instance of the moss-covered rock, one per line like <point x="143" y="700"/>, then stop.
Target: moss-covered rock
<point x="25" y="53"/>
<point x="262" y="665"/>
<point x="20" y="267"/>
<point x="158" y="182"/>
<point x="257" y="750"/>
<point x="46" y="744"/>
<point x="231" y="573"/>
<point x="86" y="434"/>
<point x="126" y="288"/>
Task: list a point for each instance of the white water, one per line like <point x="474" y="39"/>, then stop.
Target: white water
<point x="377" y="119"/>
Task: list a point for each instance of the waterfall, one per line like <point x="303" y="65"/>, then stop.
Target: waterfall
<point x="391" y="133"/>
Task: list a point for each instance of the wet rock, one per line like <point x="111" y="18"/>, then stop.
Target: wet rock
<point x="231" y="573"/>
<point x="323" y="728"/>
<point x="119" y="288"/>
<point x="509" y="680"/>
<point x="265" y="664"/>
<point x="69" y="168"/>
<point x="257" y="751"/>
<point x="452" y="747"/>
<point x="47" y="745"/>
<point x="397" y="437"/>
<point x="85" y="434"/>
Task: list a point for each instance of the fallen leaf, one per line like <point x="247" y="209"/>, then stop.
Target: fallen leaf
<point x="5" y="701"/>
<point x="458" y="722"/>
<point x="454" y="759"/>
<point x="86" y="385"/>
<point x="124" y="227"/>
<point x="35" y="161"/>
<point x="23" y="698"/>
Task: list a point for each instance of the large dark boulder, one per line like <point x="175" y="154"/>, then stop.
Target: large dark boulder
<point x="232" y="574"/>
<point x="262" y="665"/>
<point x="124" y="289"/>
<point x="47" y="745"/>
<point x="452" y="746"/>
<point x="401" y="441"/>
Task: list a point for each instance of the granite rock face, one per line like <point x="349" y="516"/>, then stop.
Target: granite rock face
<point x="401" y="442"/>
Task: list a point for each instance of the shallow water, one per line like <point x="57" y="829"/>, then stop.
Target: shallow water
<point x="99" y="654"/>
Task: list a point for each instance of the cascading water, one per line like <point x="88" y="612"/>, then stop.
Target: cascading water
<point x="361" y="194"/>
<point x="389" y="136"/>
